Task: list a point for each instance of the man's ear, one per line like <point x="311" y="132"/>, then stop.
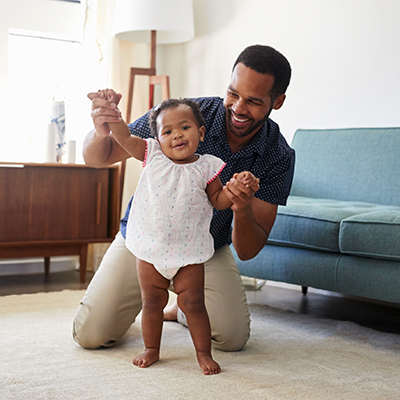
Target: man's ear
<point x="278" y="103"/>
<point x="202" y="131"/>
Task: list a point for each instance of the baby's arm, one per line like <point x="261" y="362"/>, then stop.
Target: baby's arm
<point x="217" y="196"/>
<point x="134" y="145"/>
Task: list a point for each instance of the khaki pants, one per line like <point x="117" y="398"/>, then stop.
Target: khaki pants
<point x="112" y="301"/>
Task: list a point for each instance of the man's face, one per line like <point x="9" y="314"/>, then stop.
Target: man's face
<point x="247" y="101"/>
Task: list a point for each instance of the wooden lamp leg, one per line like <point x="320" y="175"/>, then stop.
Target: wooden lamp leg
<point x="162" y="80"/>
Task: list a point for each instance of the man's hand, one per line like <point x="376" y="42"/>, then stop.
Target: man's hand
<point x="253" y="218"/>
<point x="100" y="149"/>
<point x="104" y="111"/>
<point x="239" y="192"/>
<point x="248" y="179"/>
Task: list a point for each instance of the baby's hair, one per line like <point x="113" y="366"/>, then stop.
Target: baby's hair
<point x="174" y="103"/>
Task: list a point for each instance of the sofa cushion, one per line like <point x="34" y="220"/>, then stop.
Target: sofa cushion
<point x="374" y="234"/>
<point x="311" y="223"/>
<point x="358" y="164"/>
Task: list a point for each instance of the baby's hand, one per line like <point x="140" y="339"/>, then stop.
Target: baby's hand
<point x="249" y="180"/>
<point x="107" y="94"/>
<point x="110" y="95"/>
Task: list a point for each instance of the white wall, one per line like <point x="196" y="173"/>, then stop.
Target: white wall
<point x="345" y="56"/>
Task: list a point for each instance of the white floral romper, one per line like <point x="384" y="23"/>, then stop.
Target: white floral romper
<point x="169" y="221"/>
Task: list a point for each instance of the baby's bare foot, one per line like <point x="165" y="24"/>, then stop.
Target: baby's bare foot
<point x="207" y="364"/>
<point x="150" y="356"/>
<point x="171" y="312"/>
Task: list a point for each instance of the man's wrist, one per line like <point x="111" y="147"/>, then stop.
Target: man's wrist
<point x="98" y="135"/>
<point x="246" y="213"/>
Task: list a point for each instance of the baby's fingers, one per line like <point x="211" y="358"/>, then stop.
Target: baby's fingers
<point x="92" y="95"/>
<point x="248" y="181"/>
<point x="255" y="185"/>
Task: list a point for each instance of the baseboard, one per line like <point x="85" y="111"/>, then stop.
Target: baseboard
<point x="36" y="265"/>
<point x="298" y="288"/>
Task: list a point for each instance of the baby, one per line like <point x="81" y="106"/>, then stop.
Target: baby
<point x="169" y="224"/>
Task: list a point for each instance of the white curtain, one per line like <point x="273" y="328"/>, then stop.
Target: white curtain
<point x="118" y="57"/>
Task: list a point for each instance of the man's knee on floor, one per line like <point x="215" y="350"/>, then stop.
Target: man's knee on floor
<point x="230" y="338"/>
<point x="89" y="339"/>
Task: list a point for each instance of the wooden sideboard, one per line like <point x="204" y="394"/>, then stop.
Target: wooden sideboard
<point x="57" y="209"/>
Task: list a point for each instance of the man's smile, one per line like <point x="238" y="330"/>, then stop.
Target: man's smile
<point x="239" y="121"/>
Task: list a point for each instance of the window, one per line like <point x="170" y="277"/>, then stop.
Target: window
<point x="43" y="69"/>
<point x="36" y="67"/>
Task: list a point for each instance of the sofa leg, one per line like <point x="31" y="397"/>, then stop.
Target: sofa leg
<point x="304" y="290"/>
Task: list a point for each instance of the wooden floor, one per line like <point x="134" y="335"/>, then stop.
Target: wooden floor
<point x="383" y="317"/>
<point x="35" y="283"/>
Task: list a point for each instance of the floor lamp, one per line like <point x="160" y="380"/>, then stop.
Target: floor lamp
<point x="154" y="21"/>
<point x="151" y="21"/>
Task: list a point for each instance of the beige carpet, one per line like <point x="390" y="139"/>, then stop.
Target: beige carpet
<point x="289" y="356"/>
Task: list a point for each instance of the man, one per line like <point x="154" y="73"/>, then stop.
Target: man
<point x="239" y="131"/>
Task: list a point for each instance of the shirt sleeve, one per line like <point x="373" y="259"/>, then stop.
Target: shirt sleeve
<point x="152" y="147"/>
<point x="212" y="167"/>
<point x="276" y="179"/>
<point x="141" y="127"/>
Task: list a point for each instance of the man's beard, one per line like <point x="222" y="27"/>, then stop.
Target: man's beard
<point x="254" y="126"/>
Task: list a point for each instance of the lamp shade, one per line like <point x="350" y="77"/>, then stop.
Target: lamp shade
<point x="172" y="19"/>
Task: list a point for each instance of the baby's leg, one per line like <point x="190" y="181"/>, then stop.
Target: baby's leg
<point x="154" y="289"/>
<point x="189" y="286"/>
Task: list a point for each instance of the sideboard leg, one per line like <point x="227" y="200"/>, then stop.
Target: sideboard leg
<point x="304" y="290"/>
<point x="46" y="265"/>
<point x="82" y="262"/>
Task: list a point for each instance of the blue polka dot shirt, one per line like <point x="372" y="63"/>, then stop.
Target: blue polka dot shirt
<point x="267" y="156"/>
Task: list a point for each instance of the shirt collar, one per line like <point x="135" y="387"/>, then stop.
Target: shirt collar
<point x="258" y="143"/>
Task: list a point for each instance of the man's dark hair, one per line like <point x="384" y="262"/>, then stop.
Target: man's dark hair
<point x="174" y="103"/>
<point x="267" y="60"/>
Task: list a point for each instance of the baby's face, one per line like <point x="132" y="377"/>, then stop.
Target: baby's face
<point x="178" y="134"/>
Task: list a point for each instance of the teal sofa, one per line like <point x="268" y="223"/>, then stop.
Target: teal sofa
<point x="340" y="229"/>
